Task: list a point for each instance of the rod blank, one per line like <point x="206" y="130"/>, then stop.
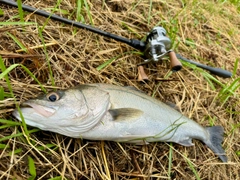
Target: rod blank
<point x="132" y="42"/>
<point x="217" y="71"/>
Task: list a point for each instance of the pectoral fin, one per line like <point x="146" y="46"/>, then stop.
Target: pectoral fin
<point x="125" y="114"/>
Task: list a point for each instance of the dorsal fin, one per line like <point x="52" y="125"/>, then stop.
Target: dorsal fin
<point x="125" y="114"/>
<point x="132" y="88"/>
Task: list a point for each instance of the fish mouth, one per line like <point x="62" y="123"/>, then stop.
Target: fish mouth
<point x="39" y="109"/>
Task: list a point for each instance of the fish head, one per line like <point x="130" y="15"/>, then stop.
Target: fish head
<point x="58" y="110"/>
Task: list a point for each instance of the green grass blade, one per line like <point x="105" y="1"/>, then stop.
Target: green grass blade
<point x="32" y="76"/>
<point x="40" y="30"/>
<point x="235" y="67"/>
<point x="17" y="23"/>
<point x="10" y="137"/>
<point x="138" y="2"/>
<point x="170" y="160"/>
<point x="209" y="78"/>
<point x="3" y="146"/>
<point x="17" y="42"/>
<point x="4" y="74"/>
<point x="54" y="10"/>
<point x="17" y="135"/>
<point x="56" y="178"/>
<point x="79" y="9"/>
<point x="20" y="10"/>
<point x="47" y="146"/>
<point x="16" y="151"/>
<point x="149" y="11"/>
<point x="57" y="9"/>
<point x="88" y="12"/>
<point x="99" y="68"/>
<point x="32" y="169"/>
<point x="131" y="30"/>
<point x="10" y="122"/>
<point x="229" y="91"/>
<point x="193" y="169"/>
<point x="6" y="71"/>
<point x="5" y="126"/>
<point x="205" y="75"/>
<point x="1" y="12"/>
<point x="1" y="93"/>
<point x="102" y="66"/>
<point x="10" y="68"/>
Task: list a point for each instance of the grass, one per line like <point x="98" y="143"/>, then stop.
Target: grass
<point x="32" y="168"/>
<point x="17" y="42"/>
<point x="20" y="10"/>
<point x="170" y="161"/>
<point x="193" y="169"/>
<point x="16" y="23"/>
<point x="79" y="17"/>
<point x="206" y="31"/>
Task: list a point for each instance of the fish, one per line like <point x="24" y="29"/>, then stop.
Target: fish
<point x="114" y="113"/>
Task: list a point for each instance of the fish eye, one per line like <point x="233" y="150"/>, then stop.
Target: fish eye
<point x="53" y="96"/>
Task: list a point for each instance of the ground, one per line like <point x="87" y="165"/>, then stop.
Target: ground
<point x="62" y="56"/>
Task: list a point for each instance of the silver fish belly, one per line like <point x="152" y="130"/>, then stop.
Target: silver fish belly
<point x="108" y="112"/>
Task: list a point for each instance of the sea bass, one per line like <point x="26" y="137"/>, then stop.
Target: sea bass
<point x="114" y="113"/>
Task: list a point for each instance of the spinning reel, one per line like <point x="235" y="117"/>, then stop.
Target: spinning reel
<point x="156" y="46"/>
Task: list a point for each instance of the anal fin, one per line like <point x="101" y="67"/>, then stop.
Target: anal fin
<point x="133" y="138"/>
<point x="186" y="142"/>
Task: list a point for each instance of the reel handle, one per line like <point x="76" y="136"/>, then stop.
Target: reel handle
<point x="141" y="74"/>
<point x="176" y="65"/>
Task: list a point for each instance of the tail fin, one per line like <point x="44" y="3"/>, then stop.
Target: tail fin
<point x="215" y="141"/>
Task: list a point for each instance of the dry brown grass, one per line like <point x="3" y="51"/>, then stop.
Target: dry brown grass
<point x="214" y="29"/>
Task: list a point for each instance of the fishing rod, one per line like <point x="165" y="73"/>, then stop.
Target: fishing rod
<point x="156" y="46"/>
